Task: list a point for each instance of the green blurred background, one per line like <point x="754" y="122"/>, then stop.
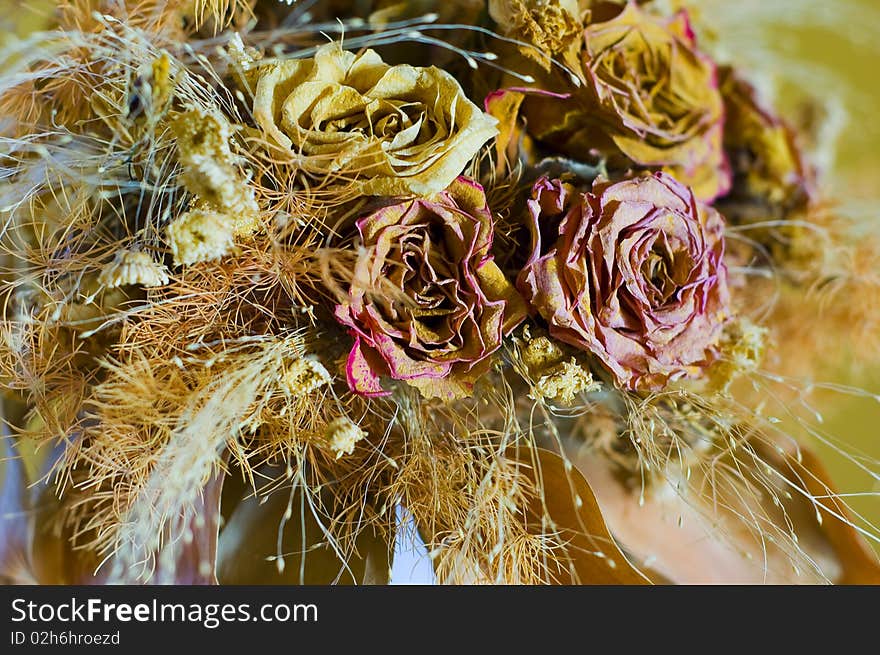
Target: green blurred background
<point x="793" y="49"/>
<point x="828" y="51"/>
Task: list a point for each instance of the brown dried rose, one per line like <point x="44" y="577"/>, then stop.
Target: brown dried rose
<point x="399" y="130"/>
<point x="631" y="272"/>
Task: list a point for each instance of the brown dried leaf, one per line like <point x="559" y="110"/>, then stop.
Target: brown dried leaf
<point x="860" y="565"/>
<point x="689" y="538"/>
<point x="568" y="501"/>
<point x="51" y="556"/>
<point x="281" y="522"/>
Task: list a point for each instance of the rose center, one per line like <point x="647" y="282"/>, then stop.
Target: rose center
<point x="639" y="79"/>
<point x="662" y="270"/>
<point x="425" y="276"/>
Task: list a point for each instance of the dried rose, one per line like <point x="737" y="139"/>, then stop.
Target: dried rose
<point x="770" y="178"/>
<point x="453" y="303"/>
<point x="649" y="98"/>
<point x="399" y="129"/>
<point x="631" y="272"/>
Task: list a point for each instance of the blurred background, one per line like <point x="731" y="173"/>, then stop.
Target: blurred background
<point x="793" y="50"/>
<point x="797" y="50"/>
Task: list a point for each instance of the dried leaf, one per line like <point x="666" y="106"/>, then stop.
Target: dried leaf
<point x="569" y="502"/>
<point x="52" y="557"/>
<point x="728" y="537"/>
<point x="860" y="565"/>
<point x="31" y="551"/>
<point x="667" y="532"/>
<point x="281" y="522"/>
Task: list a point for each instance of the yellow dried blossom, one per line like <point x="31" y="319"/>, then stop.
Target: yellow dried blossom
<point x="200" y="235"/>
<point x="210" y="171"/>
<point x="741" y="350"/>
<point x="557" y="377"/>
<point x="342" y="434"/>
<point x="565" y="381"/>
<point x="304" y="375"/>
<point x="551" y="26"/>
<point x="133" y="267"/>
<point x="541" y="354"/>
<point x="398" y="130"/>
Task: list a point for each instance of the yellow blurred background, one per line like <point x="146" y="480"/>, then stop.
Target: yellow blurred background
<point x="792" y="49"/>
<point x="830" y="51"/>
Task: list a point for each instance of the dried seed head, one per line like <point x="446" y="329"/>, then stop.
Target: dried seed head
<point x="133" y="267"/>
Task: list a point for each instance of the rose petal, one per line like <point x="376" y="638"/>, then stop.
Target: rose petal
<point x="361" y="374"/>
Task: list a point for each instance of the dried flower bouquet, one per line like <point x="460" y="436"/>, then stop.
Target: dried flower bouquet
<point x="534" y="273"/>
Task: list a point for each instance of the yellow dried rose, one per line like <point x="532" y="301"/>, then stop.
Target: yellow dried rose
<point x="770" y="177"/>
<point x="398" y="130"/>
<point x="649" y="98"/>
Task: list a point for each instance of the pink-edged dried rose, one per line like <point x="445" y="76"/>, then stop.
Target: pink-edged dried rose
<point x="649" y="97"/>
<point x="451" y="304"/>
<point x="631" y="272"/>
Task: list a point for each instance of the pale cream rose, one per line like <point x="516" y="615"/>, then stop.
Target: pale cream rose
<point x="398" y="130"/>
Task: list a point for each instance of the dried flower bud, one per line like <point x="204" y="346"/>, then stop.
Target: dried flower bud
<point x="133" y="267"/>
